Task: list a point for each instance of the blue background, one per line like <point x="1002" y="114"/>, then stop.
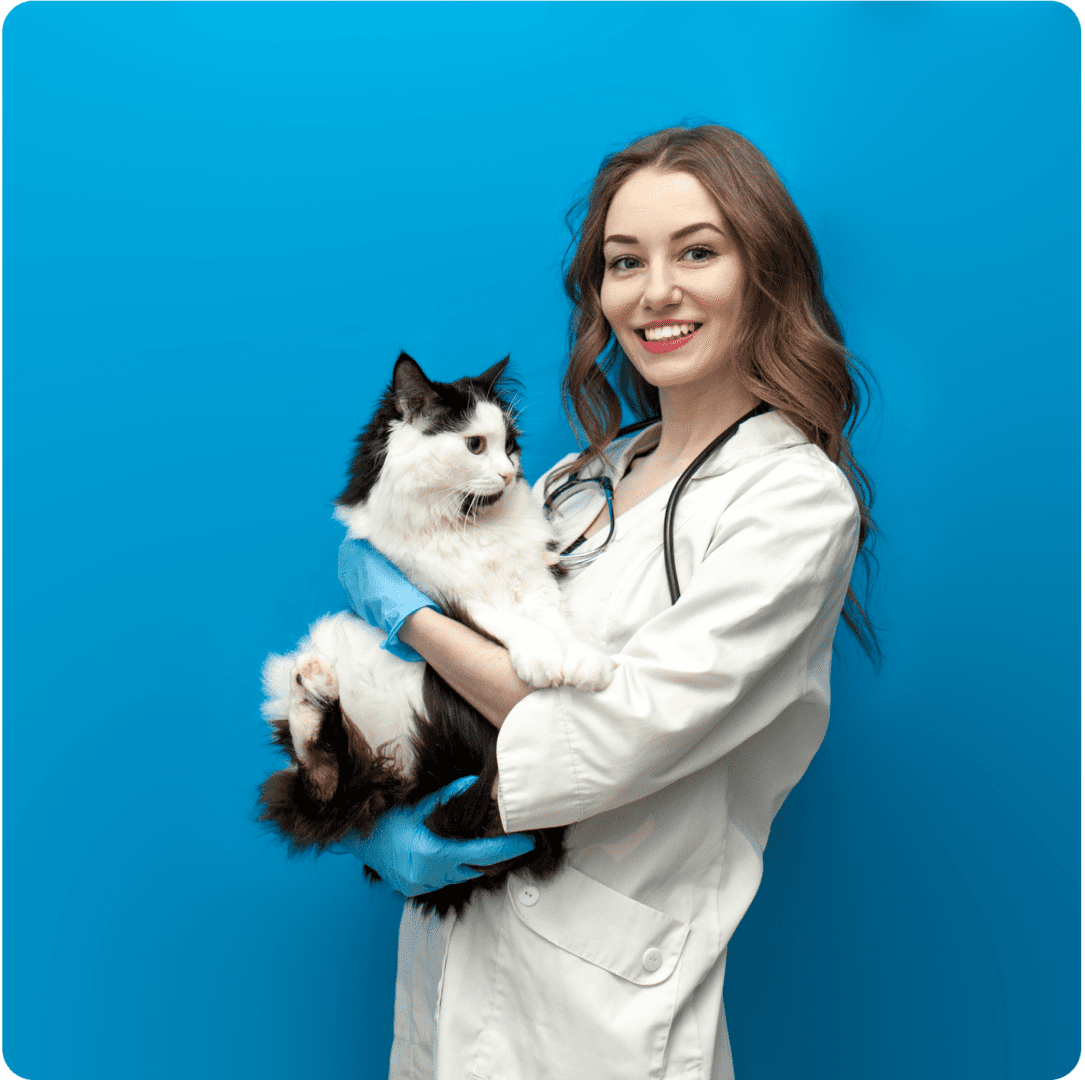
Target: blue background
<point x="222" y="222"/>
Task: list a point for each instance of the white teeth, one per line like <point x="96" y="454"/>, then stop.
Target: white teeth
<point x="662" y="333"/>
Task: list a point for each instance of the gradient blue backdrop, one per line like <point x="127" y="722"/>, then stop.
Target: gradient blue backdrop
<point x="223" y="221"/>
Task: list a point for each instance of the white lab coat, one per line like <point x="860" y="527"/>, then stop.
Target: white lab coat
<point x="669" y="778"/>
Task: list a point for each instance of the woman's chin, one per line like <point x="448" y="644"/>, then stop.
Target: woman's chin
<point x="680" y="369"/>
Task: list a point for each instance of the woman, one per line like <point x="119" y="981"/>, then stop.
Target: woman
<point x="694" y="271"/>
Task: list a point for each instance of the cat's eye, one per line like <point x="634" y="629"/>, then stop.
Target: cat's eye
<point x="476" y="443"/>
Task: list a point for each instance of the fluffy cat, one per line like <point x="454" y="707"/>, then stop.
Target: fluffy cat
<point x="436" y="485"/>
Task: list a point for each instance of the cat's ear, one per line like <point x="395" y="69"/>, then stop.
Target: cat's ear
<point x="414" y="393"/>
<point x="490" y="376"/>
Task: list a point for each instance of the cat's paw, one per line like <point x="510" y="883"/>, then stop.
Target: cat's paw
<point x="313" y="685"/>
<point x="538" y="667"/>
<point x="587" y="668"/>
<point x="315" y="679"/>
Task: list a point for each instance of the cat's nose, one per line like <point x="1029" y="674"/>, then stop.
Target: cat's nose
<point x="507" y="475"/>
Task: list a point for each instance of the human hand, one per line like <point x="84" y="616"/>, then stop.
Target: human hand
<point x="380" y="593"/>
<point x="414" y="860"/>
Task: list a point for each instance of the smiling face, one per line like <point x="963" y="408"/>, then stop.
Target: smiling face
<point x="673" y="284"/>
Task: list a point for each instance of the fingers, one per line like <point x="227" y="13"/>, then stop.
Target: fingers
<point x="436" y="798"/>
<point x="450" y="791"/>
<point x="489" y="850"/>
<point x="462" y="873"/>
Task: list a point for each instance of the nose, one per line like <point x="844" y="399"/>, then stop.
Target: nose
<point x="507" y="472"/>
<point x="660" y="288"/>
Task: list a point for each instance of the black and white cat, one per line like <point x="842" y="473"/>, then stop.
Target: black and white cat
<point x="436" y="486"/>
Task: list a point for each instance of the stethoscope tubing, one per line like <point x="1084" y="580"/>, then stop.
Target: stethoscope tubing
<point x="672" y="501"/>
<point x="679" y="487"/>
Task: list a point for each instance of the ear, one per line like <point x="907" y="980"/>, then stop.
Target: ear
<point x="490" y="376"/>
<point x="414" y="393"/>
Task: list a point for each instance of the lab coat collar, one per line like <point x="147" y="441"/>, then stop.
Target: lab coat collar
<point x="759" y="435"/>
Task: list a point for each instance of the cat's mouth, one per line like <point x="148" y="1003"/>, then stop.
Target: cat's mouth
<point x="471" y="504"/>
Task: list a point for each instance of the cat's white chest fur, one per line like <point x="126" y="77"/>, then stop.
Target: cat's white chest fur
<point x="490" y="560"/>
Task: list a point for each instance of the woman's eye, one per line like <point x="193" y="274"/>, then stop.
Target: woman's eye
<point x="699" y="254"/>
<point x="476" y="443"/>
<point x="624" y="262"/>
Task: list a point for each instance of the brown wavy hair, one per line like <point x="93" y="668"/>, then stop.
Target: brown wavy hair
<point x="788" y="351"/>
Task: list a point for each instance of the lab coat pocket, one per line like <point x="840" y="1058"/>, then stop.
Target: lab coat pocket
<point x="585" y="984"/>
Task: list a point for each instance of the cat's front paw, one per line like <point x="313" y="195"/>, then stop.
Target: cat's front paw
<point x="539" y="667"/>
<point x="587" y="668"/>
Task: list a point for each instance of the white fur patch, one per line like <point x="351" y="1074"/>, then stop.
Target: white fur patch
<point x="379" y="694"/>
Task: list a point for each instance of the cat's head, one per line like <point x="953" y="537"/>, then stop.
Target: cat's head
<point x="452" y="445"/>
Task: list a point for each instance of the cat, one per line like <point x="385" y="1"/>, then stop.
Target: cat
<point x="436" y="485"/>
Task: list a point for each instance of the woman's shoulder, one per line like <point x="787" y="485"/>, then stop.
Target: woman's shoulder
<point x="797" y="484"/>
<point x="771" y="444"/>
<point x="773" y="474"/>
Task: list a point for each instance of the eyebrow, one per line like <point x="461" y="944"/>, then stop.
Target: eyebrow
<point x="616" y="239"/>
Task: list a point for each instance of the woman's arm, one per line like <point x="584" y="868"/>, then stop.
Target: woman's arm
<point x="475" y="667"/>
<point x="747" y="642"/>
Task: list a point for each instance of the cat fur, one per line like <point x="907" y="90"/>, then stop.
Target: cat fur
<point x="366" y="731"/>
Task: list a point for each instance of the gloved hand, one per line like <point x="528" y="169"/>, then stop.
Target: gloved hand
<point x="414" y="860"/>
<point x="380" y="593"/>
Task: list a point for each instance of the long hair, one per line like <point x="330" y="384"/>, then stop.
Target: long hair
<point x="788" y="351"/>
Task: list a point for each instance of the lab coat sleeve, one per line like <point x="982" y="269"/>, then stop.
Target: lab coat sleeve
<point x="700" y="677"/>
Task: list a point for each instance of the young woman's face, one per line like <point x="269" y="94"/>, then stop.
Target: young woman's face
<point x="673" y="284"/>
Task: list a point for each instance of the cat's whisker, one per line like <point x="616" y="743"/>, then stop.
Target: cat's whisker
<point x="449" y="503"/>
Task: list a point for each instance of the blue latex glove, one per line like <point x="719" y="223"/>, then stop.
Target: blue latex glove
<point x="414" y="860"/>
<point x="379" y="593"/>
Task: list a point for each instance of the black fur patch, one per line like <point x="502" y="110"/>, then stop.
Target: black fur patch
<point x="557" y="571"/>
<point x="455" y="740"/>
<point x="472" y="503"/>
<point x="365" y="784"/>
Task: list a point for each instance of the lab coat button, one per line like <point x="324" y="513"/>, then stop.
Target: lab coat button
<point x="652" y="959"/>
<point x="529" y="895"/>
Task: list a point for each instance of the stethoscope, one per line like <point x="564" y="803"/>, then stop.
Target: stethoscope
<point x="569" y="557"/>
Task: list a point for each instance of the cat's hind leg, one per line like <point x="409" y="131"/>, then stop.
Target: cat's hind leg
<point x="314" y="688"/>
<point x="316" y="679"/>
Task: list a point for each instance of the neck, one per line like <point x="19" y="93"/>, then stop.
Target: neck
<point x="693" y="416"/>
